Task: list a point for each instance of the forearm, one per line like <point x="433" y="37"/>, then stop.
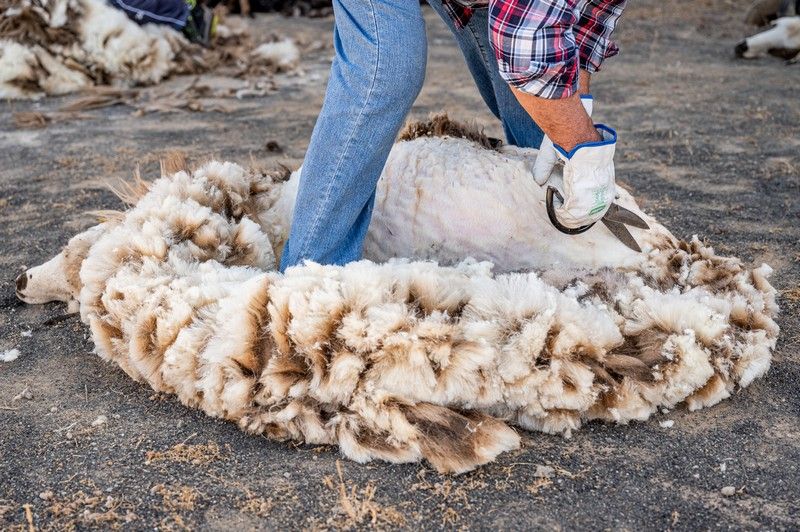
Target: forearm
<point x="563" y="120"/>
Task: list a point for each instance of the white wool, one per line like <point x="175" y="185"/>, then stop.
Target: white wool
<point x="60" y="79"/>
<point x="121" y="47"/>
<point x="9" y="355"/>
<point x="58" y="12"/>
<point x="282" y="55"/>
<point x="17" y="64"/>
<point x="430" y="180"/>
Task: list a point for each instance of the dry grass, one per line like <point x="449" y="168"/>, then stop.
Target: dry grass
<point x="357" y="506"/>
<point x="258" y="506"/>
<point x="792" y="294"/>
<point x="539" y="484"/>
<point x="88" y="509"/>
<point x="177" y="498"/>
<point x="199" y="454"/>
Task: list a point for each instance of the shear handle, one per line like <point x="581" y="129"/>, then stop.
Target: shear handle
<point x="551" y="213"/>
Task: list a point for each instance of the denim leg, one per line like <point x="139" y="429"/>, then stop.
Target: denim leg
<point x="473" y="39"/>
<point x="377" y="73"/>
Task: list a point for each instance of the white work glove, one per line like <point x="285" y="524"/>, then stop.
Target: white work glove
<point x="546" y="159"/>
<point x="588" y="187"/>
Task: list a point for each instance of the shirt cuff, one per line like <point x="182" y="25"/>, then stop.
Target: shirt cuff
<point x="592" y="57"/>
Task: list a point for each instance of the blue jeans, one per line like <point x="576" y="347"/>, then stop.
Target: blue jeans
<point x="377" y="73"/>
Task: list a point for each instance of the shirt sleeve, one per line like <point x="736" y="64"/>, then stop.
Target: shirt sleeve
<point x="535" y="46"/>
<point x="597" y="20"/>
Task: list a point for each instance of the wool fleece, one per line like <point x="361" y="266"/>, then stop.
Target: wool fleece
<point x="407" y="359"/>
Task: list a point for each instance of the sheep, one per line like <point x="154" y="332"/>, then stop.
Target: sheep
<point x="407" y="359"/>
<point x="783" y="40"/>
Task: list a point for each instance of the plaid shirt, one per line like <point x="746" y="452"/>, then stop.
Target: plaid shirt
<point x="541" y="44"/>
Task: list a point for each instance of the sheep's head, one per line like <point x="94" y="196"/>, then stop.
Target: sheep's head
<point x="59" y="278"/>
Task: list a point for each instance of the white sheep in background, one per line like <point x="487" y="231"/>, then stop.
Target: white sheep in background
<point x="409" y="360"/>
<point x="783" y="40"/>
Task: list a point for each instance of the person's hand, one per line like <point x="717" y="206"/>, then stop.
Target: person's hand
<point x="588" y="187"/>
<point x="546" y="159"/>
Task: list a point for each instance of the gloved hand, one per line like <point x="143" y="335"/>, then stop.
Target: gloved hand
<point x="588" y="188"/>
<point x="546" y="159"/>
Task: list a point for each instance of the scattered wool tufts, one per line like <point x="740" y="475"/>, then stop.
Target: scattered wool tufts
<point x="64" y="46"/>
<point x="9" y="355"/>
<point x="282" y="56"/>
<point x="406" y="359"/>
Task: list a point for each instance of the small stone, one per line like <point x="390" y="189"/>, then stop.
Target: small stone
<point x="26" y="334"/>
<point x="68" y="435"/>
<point x="100" y="420"/>
<point x="543" y="471"/>
<point x="287" y="474"/>
<point x="667" y="423"/>
<point x="53" y="409"/>
<point x="723" y="467"/>
<point x="728" y="491"/>
<point x="46" y="495"/>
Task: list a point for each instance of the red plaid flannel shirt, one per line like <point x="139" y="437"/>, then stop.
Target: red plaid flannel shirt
<point x="541" y="44"/>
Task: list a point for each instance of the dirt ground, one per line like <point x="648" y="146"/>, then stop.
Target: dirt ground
<point x="710" y="145"/>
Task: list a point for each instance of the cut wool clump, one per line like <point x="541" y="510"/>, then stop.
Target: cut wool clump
<point x="64" y="46"/>
<point x="281" y="56"/>
<point x="10" y="355"/>
<point x="409" y="359"/>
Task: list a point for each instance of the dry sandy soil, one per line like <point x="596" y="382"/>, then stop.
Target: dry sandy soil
<point x="710" y="144"/>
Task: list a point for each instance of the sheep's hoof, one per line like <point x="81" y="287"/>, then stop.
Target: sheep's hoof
<point x="740" y="49"/>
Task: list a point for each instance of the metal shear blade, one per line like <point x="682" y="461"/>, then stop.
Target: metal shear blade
<point x="615" y="219"/>
<point x="618" y="213"/>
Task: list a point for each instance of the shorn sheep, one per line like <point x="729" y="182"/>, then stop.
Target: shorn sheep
<point x="407" y="359"/>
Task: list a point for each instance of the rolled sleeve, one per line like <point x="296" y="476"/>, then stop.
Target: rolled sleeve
<point x="535" y="46"/>
<point x="597" y="20"/>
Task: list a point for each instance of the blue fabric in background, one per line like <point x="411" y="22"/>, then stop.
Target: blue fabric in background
<point x="170" y="12"/>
